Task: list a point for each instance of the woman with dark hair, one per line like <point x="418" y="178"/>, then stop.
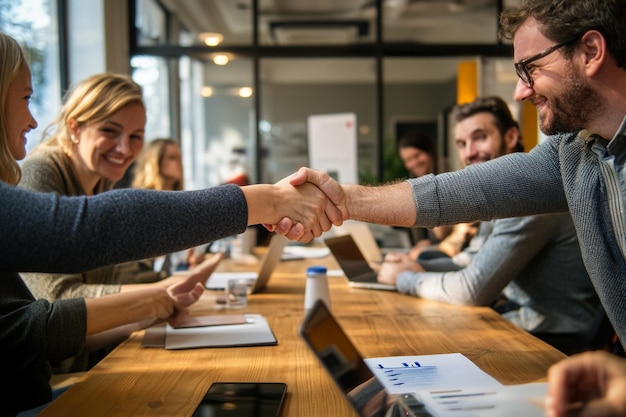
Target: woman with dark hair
<point x="418" y="153"/>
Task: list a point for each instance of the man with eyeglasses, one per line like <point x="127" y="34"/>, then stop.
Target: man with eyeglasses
<point x="571" y="59"/>
<point x="524" y="66"/>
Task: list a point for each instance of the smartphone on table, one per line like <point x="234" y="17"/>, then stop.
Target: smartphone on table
<point x="242" y="399"/>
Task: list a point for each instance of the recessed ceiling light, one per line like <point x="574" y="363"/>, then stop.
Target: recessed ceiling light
<point x="211" y="38"/>
<point x="221" y="59"/>
<point x="245" y="92"/>
<point x="206" y="91"/>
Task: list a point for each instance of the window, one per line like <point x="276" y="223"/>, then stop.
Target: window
<point x="37" y="33"/>
<point x="310" y="58"/>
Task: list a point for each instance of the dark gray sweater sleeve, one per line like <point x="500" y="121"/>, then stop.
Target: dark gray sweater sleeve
<point x="34" y="333"/>
<point x="44" y="232"/>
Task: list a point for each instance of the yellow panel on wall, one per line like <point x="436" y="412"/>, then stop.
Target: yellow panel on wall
<point x="467" y="82"/>
<point x="529" y="125"/>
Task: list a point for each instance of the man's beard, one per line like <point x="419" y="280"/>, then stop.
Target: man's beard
<point x="571" y="111"/>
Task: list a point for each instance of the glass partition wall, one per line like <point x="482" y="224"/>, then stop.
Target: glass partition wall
<point x="237" y="80"/>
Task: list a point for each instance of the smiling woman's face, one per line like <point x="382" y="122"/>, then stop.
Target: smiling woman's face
<point x="417" y="161"/>
<point x="106" y="149"/>
<point x="20" y="120"/>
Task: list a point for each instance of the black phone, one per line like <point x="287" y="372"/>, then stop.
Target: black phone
<point x="242" y="399"/>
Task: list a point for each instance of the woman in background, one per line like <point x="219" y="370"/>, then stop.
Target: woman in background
<point x="160" y="167"/>
<point x="419" y="155"/>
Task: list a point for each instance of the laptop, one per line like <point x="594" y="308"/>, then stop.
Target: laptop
<point x="367" y="395"/>
<point x="367" y="242"/>
<point x="364" y="238"/>
<point x="338" y="355"/>
<point x="258" y="279"/>
<point x="354" y="265"/>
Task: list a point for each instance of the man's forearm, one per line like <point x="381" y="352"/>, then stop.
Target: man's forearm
<point x="391" y="204"/>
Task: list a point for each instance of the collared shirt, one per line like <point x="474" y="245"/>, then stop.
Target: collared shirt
<point x="612" y="157"/>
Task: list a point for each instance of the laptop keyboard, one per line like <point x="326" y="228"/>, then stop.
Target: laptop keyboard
<point x="412" y="407"/>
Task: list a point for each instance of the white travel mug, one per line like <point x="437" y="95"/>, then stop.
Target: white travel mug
<point x="316" y="287"/>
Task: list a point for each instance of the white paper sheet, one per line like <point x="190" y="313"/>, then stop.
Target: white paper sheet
<point x="400" y="374"/>
<point x="304" y="252"/>
<point x="219" y="280"/>
<point x="450" y="385"/>
<point x="525" y="400"/>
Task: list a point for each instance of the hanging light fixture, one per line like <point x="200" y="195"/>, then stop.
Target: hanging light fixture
<point x="221" y="59"/>
<point x="206" y="91"/>
<point x="211" y="38"/>
<point x="245" y="92"/>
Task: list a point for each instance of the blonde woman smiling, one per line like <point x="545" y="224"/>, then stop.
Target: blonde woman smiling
<point x="97" y="135"/>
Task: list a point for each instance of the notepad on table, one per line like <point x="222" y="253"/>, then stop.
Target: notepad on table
<point x="254" y="332"/>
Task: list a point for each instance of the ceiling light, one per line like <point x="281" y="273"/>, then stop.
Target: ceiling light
<point x="221" y="59"/>
<point x="245" y="92"/>
<point x="206" y="91"/>
<point x="211" y="39"/>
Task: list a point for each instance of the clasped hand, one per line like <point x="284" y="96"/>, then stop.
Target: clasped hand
<point x="319" y="203"/>
<point x="394" y="264"/>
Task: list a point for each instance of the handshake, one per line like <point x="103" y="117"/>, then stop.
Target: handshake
<point x="302" y="206"/>
<point x="308" y="203"/>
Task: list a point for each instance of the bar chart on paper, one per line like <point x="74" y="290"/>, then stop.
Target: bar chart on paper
<point x="400" y="374"/>
<point x="410" y="375"/>
<point x="452" y="385"/>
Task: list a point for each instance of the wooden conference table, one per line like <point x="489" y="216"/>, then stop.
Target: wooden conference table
<point x="137" y="381"/>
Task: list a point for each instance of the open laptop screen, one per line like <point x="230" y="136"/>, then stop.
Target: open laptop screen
<point x="348" y="255"/>
<point x="258" y="280"/>
<point x="354" y="265"/>
<point x="343" y="362"/>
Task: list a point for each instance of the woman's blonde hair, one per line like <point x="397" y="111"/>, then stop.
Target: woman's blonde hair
<point x="12" y="60"/>
<point x="93" y="100"/>
<point x="147" y="169"/>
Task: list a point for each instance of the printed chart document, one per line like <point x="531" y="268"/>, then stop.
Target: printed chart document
<point x="453" y="386"/>
<point x="399" y="374"/>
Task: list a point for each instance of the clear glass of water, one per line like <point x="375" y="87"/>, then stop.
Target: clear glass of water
<point x="237" y="293"/>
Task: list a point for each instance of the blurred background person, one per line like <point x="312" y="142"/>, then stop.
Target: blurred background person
<point x="160" y="167"/>
<point x="419" y="155"/>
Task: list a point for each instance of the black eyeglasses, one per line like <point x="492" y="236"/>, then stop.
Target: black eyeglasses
<point x="521" y="68"/>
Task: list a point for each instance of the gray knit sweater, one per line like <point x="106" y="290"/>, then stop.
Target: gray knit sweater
<point x="578" y="172"/>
